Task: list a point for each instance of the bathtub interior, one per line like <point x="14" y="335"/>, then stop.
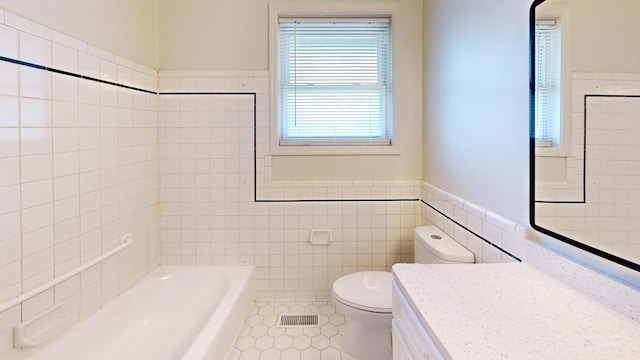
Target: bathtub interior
<point x="163" y="316"/>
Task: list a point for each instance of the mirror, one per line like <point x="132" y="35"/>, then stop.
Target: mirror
<point x="585" y="125"/>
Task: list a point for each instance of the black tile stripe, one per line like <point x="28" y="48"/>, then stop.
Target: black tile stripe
<point x="584" y="149"/>
<point x="469" y="230"/>
<point x="253" y="94"/>
<point x="255" y="157"/>
<point x="335" y="200"/>
<point x="210" y="93"/>
<point x="532" y="202"/>
<point x="67" y="73"/>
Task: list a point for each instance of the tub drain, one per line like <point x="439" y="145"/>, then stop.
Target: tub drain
<point x="297" y="320"/>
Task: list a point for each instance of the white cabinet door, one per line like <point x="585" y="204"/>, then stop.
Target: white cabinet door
<point x="414" y="341"/>
<point x="400" y="349"/>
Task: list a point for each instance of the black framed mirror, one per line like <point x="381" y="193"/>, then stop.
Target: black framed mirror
<point x="585" y="125"/>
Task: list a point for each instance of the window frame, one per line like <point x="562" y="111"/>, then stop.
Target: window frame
<point x="279" y="10"/>
<point x="561" y="147"/>
<point x="548" y="87"/>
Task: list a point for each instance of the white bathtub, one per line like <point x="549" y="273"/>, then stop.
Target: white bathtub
<point x="175" y="312"/>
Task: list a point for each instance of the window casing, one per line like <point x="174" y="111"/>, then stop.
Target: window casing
<point x="334" y="83"/>
<point x="548" y="114"/>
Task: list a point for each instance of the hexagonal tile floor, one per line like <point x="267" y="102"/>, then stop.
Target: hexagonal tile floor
<point x="260" y="339"/>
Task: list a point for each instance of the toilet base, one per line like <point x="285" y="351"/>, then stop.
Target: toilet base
<point x="361" y="342"/>
<point x="368" y="339"/>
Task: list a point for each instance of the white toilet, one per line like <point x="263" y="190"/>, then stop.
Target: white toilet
<point x="365" y="297"/>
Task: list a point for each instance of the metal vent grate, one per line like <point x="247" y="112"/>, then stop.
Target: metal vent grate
<point x="298" y="320"/>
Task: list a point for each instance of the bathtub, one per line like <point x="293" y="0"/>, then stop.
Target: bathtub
<point x="175" y="312"/>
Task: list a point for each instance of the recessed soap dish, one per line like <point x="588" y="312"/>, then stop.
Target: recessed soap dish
<point x="320" y="236"/>
<point x="44" y="326"/>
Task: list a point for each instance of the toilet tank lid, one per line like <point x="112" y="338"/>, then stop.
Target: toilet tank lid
<point x="442" y="245"/>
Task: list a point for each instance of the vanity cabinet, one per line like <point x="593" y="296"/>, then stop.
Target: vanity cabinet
<point x="502" y="311"/>
<point x="410" y="339"/>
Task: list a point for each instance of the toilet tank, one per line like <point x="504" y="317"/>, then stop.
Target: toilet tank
<point x="432" y="246"/>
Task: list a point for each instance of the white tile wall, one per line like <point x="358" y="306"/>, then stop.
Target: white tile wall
<point x="607" y="221"/>
<point x="490" y="237"/>
<point x="208" y="213"/>
<point x="78" y="168"/>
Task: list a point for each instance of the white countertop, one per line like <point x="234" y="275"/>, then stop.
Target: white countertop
<point x="513" y="311"/>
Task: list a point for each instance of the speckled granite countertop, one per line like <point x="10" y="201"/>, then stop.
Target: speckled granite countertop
<point x="513" y="311"/>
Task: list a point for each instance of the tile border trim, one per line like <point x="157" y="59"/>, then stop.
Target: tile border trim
<point x="67" y="73"/>
<point x="471" y="231"/>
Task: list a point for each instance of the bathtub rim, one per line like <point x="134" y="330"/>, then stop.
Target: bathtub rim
<point x="212" y="342"/>
<point x="216" y="336"/>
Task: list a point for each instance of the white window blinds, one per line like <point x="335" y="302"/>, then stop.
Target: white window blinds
<point x="547" y="84"/>
<point x="334" y="82"/>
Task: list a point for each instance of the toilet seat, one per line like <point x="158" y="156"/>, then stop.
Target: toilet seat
<point x="367" y="290"/>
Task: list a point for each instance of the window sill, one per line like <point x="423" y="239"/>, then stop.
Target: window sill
<point x="294" y="150"/>
<point x="551" y="152"/>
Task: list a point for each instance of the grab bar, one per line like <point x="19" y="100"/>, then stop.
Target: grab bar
<point x="124" y="243"/>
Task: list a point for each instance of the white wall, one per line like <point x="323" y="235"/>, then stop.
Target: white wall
<point x="213" y="35"/>
<point x="605" y="36"/>
<point x="126" y="27"/>
<point x="233" y="35"/>
<point x="475" y="138"/>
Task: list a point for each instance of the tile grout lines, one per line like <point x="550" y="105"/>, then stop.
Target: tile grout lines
<point x="260" y="339"/>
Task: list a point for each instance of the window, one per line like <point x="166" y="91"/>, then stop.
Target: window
<point x="548" y="83"/>
<point x="334" y="81"/>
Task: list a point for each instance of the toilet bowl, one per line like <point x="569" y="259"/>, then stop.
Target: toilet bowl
<point x="364" y="298"/>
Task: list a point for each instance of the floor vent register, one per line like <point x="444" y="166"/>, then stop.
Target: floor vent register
<point x="297" y="320"/>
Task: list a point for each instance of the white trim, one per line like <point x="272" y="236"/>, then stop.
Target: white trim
<point x="335" y="142"/>
<point x="546" y="22"/>
<point x="314" y="19"/>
